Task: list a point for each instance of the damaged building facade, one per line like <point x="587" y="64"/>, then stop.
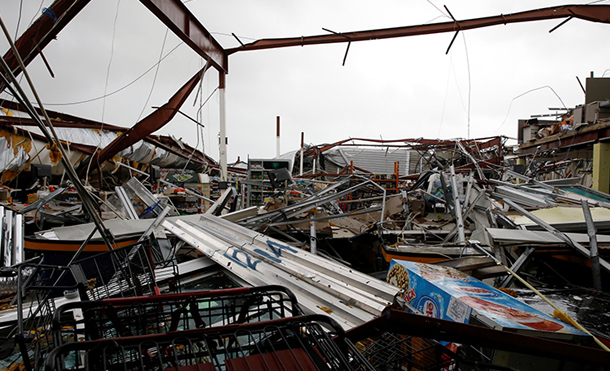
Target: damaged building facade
<point x="361" y="254"/>
<point x="574" y="146"/>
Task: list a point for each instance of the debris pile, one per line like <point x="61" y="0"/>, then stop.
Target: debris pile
<point x="120" y="249"/>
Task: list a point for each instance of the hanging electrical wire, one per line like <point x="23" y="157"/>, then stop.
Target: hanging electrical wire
<point x="116" y="17"/>
<point x="469" y="81"/>
<point x="18" y="19"/>
<point x="120" y="89"/>
<point x="152" y="87"/>
<point x="527" y="92"/>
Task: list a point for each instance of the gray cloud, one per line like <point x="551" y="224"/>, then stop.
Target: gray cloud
<point x="400" y="88"/>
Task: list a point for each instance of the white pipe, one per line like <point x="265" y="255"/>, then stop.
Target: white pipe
<point x="313" y="238"/>
<point x="458" y="210"/>
<point x="8" y="236"/>
<point x="223" y="128"/>
<point x="17" y="239"/>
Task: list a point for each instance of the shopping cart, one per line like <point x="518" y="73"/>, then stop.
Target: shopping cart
<point x="144" y="315"/>
<point x="123" y="272"/>
<point x="390" y="351"/>
<point x="314" y="342"/>
<point x="400" y="340"/>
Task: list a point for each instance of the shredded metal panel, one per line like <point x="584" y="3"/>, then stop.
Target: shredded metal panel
<point x="321" y="286"/>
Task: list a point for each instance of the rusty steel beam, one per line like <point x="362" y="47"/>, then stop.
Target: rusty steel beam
<point x="12" y="123"/>
<point x="174" y="151"/>
<point x="417" y="143"/>
<point x="42" y="31"/>
<point x="574" y="139"/>
<point x="87" y="149"/>
<point x="485" y="164"/>
<point x="59" y="119"/>
<point x="150" y="123"/>
<point x="380" y="142"/>
<point x="25" y="121"/>
<point x="593" y="13"/>
<point x="176" y="16"/>
<point x="189" y="152"/>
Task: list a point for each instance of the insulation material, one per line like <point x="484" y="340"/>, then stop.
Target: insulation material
<point x="13" y="160"/>
<point x="89" y="137"/>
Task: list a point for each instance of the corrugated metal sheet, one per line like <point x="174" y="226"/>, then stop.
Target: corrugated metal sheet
<point x="17" y="151"/>
<point x="9" y="160"/>
<point x="86" y="136"/>
<point x="141" y="151"/>
<point x="320" y="285"/>
<point x="375" y="160"/>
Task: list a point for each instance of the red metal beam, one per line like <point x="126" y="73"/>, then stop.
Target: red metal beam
<point x="160" y="144"/>
<point x="176" y="16"/>
<point x="417" y="143"/>
<point x="166" y="142"/>
<point x="484" y="164"/>
<point x="587" y="135"/>
<point x="150" y="123"/>
<point x="593" y="13"/>
<point x="383" y="142"/>
<point x="42" y="31"/>
<point x="26" y="121"/>
<point x="59" y="119"/>
<point x="191" y="155"/>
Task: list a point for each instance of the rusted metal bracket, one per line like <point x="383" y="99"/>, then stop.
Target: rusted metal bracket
<point x="456" y="32"/>
<point x="349" y="43"/>
<point x="562" y="23"/>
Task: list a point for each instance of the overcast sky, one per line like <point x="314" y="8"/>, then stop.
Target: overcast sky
<point x="390" y="89"/>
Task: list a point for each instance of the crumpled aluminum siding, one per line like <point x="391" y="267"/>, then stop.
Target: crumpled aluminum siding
<point x="142" y="152"/>
<point x="375" y="160"/>
<point x="320" y="285"/>
<point x="9" y="160"/>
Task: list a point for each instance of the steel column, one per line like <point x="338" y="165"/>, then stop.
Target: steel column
<point x="223" y="126"/>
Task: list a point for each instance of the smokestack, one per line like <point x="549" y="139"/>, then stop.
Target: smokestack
<point x="278" y="138"/>
<point x="302" y="148"/>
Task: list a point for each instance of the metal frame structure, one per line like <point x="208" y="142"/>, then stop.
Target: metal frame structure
<point x="177" y="17"/>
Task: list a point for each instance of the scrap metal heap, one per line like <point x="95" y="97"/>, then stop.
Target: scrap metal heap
<point x="324" y="238"/>
<point x="359" y="258"/>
